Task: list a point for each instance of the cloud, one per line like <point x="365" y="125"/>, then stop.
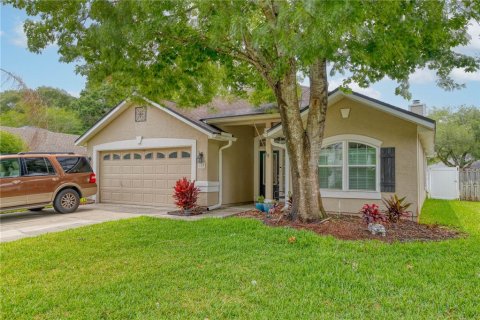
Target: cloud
<point x="422" y="76"/>
<point x="19" y="37"/>
<point x="474" y="46"/>
<point x="1" y="33"/>
<point x="461" y="76"/>
<point x="74" y="93"/>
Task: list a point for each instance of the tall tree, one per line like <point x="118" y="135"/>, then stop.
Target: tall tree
<point x="185" y="50"/>
<point x="457" y="142"/>
<point x="44" y="107"/>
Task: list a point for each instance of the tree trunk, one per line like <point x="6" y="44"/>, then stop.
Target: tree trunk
<point x="304" y="139"/>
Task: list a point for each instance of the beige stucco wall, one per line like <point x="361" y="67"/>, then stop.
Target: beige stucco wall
<point x="159" y="124"/>
<point x="422" y="174"/>
<point x="238" y="166"/>
<point x="393" y="132"/>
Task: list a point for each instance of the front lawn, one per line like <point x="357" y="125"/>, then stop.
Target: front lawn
<point x="147" y="268"/>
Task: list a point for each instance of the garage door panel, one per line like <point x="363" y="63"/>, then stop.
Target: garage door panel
<point x="142" y="177"/>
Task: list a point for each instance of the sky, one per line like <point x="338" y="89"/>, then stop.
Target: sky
<point x="45" y="70"/>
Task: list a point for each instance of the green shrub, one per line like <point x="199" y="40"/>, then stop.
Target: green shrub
<point x="11" y="143"/>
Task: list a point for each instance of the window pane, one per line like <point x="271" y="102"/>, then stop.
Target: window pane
<point x="9" y="168"/>
<point x="360" y="154"/>
<point x="172" y="155"/>
<point x="330" y="177"/>
<point x="331" y="155"/>
<point x="185" y="154"/>
<point x="36" y="167"/>
<point x="126" y="156"/>
<point x="74" y="164"/>
<point x="160" y="155"/>
<point x="361" y="178"/>
<point x="116" y="156"/>
<point x="106" y="157"/>
<point x="137" y="156"/>
<point x="149" y="156"/>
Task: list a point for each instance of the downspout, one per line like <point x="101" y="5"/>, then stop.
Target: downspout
<point x="220" y="175"/>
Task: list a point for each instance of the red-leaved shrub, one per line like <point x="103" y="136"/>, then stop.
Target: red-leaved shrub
<point x="371" y="213"/>
<point x="185" y="194"/>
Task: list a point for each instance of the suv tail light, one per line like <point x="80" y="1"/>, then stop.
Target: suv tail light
<point x="92" y="178"/>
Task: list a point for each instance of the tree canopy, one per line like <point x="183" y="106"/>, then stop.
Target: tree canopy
<point x="188" y="51"/>
<point x="457" y="141"/>
<point x="11" y="143"/>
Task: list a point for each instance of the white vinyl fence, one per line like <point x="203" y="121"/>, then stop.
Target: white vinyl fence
<point x="443" y="183"/>
<point x="453" y="183"/>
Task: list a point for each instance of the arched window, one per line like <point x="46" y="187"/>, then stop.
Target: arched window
<point x="106" y="157"/>
<point x="185" y="154"/>
<point x="160" y="155"/>
<point x="126" y="156"/>
<point x="116" y="156"/>
<point x="149" y="156"/>
<point x="137" y="156"/>
<point x="173" y="155"/>
<point x="349" y="163"/>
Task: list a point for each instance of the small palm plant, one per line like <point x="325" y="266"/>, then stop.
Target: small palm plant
<point x="396" y="208"/>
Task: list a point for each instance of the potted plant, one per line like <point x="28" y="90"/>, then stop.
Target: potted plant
<point x="185" y="195"/>
<point x="259" y="203"/>
<point x="267" y="206"/>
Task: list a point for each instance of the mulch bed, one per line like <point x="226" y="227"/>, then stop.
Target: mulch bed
<point x="194" y="212"/>
<point x="348" y="227"/>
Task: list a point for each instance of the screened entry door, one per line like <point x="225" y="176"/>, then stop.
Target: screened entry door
<point x="143" y="177"/>
<point x="276" y="172"/>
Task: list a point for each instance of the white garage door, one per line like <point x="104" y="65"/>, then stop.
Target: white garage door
<point x="143" y="177"/>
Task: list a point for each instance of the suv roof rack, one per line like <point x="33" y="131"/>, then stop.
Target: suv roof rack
<point x="33" y="152"/>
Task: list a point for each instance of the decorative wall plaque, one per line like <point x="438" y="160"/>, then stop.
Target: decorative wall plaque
<point x="140" y="114"/>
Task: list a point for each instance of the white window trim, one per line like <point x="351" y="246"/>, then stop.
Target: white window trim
<point x="345" y="192"/>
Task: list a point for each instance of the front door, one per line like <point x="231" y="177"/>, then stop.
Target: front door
<point x="276" y="170"/>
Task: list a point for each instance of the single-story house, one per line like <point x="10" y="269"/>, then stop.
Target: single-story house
<point x="236" y="152"/>
<point x="43" y="140"/>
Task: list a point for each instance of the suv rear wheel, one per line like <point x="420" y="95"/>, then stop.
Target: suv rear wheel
<point x="66" y="201"/>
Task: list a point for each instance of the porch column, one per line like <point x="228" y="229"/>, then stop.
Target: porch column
<point x="287" y="174"/>
<point x="268" y="166"/>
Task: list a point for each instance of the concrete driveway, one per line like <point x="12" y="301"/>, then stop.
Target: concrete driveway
<point x="15" y="226"/>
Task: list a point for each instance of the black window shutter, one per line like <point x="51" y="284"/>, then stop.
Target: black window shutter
<point x="387" y="168"/>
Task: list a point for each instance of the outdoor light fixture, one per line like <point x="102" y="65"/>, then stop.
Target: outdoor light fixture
<point x="200" y="158"/>
<point x="345" y="113"/>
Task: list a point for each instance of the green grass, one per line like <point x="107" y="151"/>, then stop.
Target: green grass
<point x="147" y="268"/>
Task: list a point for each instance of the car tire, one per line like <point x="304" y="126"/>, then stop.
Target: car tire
<point x="66" y="201"/>
<point x="36" y="209"/>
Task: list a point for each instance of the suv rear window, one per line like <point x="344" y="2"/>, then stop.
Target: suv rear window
<point x="74" y="164"/>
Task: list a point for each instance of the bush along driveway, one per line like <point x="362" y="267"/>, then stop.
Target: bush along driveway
<point x="147" y="268"/>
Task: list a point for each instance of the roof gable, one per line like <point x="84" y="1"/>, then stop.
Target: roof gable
<point x="336" y="95"/>
<point x="211" y="131"/>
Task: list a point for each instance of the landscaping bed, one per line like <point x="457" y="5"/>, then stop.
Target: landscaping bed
<point x="194" y="212"/>
<point x="348" y="227"/>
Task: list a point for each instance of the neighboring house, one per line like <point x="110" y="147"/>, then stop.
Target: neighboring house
<point x="236" y="152"/>
<point x="42" y="140"/>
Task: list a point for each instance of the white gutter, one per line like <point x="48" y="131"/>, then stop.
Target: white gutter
<point x="287" y="167"/>
<point x="220" y="175"/>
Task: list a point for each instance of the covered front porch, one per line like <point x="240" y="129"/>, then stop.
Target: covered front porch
<point x="254" y="165"/>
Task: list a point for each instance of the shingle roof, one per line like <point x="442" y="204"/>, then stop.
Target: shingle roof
<point x="222" y="107"/>
<point x="42" y="140"/>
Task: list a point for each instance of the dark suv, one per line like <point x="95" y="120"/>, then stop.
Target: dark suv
<point x="34" y="180"/>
